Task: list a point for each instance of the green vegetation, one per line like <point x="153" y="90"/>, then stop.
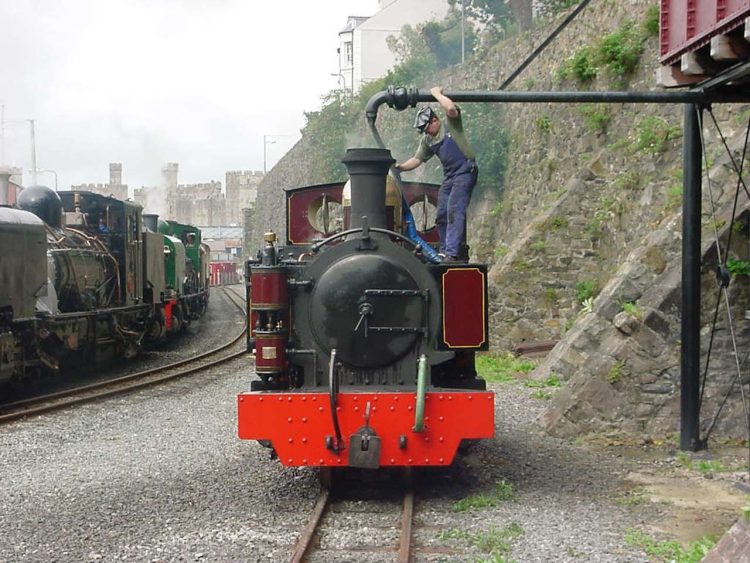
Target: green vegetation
<point x="502" y="367"/>
<point x="620" y="51"/>
<point x="558" y="222"/>
<point x="711" y="466"/>
<point x="501" y="251"/>
<point x="581" y="67"/>
<point x="596" y="117"/>
<point x="615" y="372"/>
<point x="497" y="209"/>
<point x="651" y="21"/>
<point x="541" y="394"/>
<point x="670" y="550"/>
<point x="633" y="498"/>
<point x="543" y="124"/>
<point x="652" y="135"/>
<point x="586" y="289"/>
<point x="629" y="180"/>
<point x="632" y="309"/>
<point x="738" y="267"/>
<point x="617" y="54"/>
<point x="496" y="542"/>
<point x="539" y="245"/>
<point x="550" y="295"/>
<point x="587" y="306"/>
<point x="503" y="492"/>
<point x="594" y="227"/>
<point x="552" y="381"/>
<point x="520" y="265"/>
<point x="703" y="465"/>
<point x="674" y="196"/>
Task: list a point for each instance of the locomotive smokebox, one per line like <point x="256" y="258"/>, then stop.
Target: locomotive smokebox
<point x="368" y="169"/>
<point x="151" y="221"/>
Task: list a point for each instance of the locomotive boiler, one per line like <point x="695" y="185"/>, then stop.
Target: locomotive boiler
<point x="364" y="350"/>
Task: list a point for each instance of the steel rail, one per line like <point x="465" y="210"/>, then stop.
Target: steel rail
<point x="304" y="543"/>
<point x="305" y="540"/>
<point x="119" y="385"/>
<point x="407" y="519"/>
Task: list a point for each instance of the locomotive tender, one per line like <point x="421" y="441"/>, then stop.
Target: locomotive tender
<point x="364" y="350"/>
<point x="82" y="282"/>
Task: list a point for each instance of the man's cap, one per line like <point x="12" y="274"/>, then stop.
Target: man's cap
<point x="424" y="116"/>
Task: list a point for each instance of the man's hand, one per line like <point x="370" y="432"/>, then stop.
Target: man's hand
<point x="445" y="102"/>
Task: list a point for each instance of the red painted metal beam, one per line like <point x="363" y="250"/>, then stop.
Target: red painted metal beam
<point x="297" y="424"/>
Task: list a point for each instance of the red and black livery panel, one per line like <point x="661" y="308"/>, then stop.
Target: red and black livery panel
<point x="464" y="305"/>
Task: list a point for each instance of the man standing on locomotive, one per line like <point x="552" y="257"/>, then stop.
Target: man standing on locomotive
<point x="460" y="171"/>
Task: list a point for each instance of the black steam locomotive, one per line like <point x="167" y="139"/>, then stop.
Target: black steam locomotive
<point x="82" y="281"/>
<point x="364" y="350"/>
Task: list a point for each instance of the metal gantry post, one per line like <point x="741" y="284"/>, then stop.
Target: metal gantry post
<point x="691" y="279"/>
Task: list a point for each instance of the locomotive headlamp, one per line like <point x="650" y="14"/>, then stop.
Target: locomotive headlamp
<point x="270" y="236"/>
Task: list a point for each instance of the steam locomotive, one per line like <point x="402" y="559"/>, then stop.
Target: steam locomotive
<point x="364" y="350"/>
<point x="83" y="281"/>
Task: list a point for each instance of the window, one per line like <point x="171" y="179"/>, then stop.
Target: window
<point x="348" y="53"/>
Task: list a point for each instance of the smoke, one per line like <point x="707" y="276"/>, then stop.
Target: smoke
<point x="154" y="200"/>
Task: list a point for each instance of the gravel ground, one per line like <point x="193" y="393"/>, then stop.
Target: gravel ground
<point x="160" y="475"/>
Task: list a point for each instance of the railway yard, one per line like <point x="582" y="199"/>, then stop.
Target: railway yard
<point x="159" y="475"/>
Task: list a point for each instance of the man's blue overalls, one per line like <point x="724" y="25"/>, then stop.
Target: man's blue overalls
<point x="459" y="178"/>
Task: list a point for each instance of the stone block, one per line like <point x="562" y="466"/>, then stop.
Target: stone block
<point x="625" y="323"/>
<point x="655" y="259"/>
<point x="658" y="322"/>
<point x="657" y="388"/>
<point x="733" y="547"/>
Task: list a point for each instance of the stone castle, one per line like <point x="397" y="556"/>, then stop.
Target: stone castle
<point x="202" y="204"/>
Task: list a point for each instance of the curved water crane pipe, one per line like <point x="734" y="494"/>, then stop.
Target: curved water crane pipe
<point x="400" y="98"/>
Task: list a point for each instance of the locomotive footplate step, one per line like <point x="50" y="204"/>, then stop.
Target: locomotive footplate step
<point x="364" y="449"/>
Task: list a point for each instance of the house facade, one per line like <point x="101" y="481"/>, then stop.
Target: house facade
<point x="363" y="49"/>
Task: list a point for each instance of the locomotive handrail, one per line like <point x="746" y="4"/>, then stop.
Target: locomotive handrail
<point x="421" y="390"/>
<point x="333" y="390"/>
<point x="317" y="246"/>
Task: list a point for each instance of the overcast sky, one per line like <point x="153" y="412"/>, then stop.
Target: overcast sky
<point x="145" y="82"/>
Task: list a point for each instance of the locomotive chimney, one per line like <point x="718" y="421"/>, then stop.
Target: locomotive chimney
<point x="368" y="169"/>
<point x="151" y="220"/>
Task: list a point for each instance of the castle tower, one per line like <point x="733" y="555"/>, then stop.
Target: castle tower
<point x="115" y="173"/>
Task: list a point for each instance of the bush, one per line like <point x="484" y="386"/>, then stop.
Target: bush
<point x="620" y="52"/>
<point x="586" y="289"/>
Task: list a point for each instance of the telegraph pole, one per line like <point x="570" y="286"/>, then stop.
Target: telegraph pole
<point x="33" y="154"/>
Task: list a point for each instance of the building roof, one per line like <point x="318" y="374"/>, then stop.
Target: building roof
<point x="352" y="23"/>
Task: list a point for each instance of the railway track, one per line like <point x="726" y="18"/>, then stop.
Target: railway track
<point x="78" y="395"/>
<point x="329" y="511"/>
